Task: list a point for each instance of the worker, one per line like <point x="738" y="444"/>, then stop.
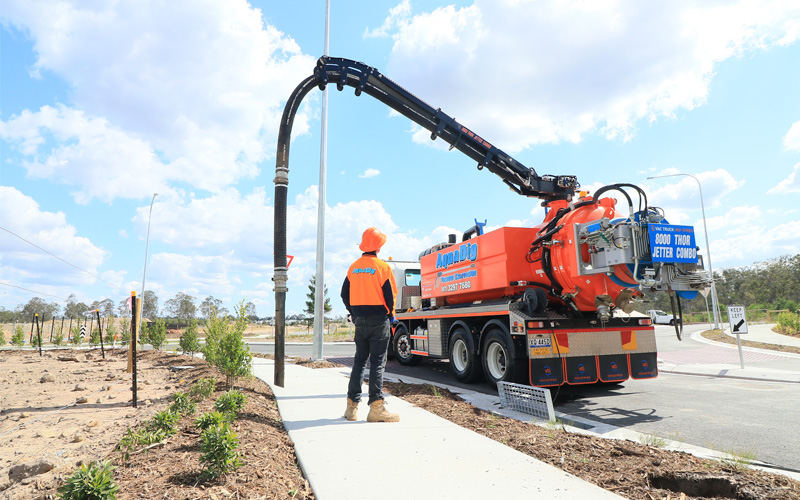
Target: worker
<point x="369" y="294"/>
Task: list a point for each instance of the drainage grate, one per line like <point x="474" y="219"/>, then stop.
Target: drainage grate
<point x="531" y="400"/>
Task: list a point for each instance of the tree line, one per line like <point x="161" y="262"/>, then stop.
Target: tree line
<point x="772" y="285"/>
<point x="182" y="307"/>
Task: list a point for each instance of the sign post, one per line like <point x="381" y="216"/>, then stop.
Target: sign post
<point x="737" y="318"/>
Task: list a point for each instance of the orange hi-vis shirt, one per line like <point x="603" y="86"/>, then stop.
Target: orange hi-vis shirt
<point x="369" y="288"/>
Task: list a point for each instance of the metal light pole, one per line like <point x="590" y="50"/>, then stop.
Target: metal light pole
<point x="319" y="296"/>
<point x="714" y="303"/>
<point x="146" y="249"/>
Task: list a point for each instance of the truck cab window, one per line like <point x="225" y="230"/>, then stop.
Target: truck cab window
<point x="413" y="277"/>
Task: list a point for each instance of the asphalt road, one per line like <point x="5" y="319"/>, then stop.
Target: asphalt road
<point x="731" y="415"/>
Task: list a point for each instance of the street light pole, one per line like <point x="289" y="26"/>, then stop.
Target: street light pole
<point x="714" y="303"/>
<point x="319" y="296"/>
<point x="144" y="273"/>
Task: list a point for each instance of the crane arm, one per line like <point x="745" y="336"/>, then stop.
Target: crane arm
<point x="369" y="80"/>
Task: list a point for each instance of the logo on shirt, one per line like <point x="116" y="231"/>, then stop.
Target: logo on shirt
<point x="364" y="270"/>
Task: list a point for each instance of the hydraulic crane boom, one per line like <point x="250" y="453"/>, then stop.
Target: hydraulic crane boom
<point x="363" y="78"/>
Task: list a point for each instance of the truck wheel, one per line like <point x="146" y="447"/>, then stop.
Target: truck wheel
<point x="498" y="365"/>
<point x="463" y="360"/>
<point x="402" y="348"/>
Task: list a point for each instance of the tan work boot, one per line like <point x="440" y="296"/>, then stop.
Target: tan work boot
<point x="378" y="413"/>
<point x="351" y="413"/>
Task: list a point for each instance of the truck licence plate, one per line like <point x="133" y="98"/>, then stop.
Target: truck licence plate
<point x="539" y="345"/>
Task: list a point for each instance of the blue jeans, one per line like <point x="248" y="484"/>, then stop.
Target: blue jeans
<point x="372" y="340"/>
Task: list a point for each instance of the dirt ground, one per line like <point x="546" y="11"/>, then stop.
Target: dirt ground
<point x="72" y="407"/>
<point x="41" y="423"/>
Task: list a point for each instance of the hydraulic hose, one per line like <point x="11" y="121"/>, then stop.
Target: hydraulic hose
<point x="281" y="181"/>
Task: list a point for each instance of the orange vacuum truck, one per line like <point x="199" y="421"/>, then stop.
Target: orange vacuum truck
<point x="546" y="305"/>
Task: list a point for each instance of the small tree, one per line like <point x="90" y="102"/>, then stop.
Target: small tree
<point x="234" y="358"/>
<point x="312" y="294"/>
<point x="189" y="342"/>
<point x="94" y="338"/>
<point x="18" y="339"/>
<point x="126" y="331"/>
<point x="2" y="335"/>
<point x="111" y="331"/>
<point x="215" y="328"/>
<point x="76" y="335"/>
<point x="58" y="338"/>
<point x="157" y="334"/>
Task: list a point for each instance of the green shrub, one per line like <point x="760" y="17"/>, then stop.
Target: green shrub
<point x="182" y="404"/>
<point x="94" y="338"/>
<point x="789" y="323"/>
<point x="111" y="331"/>
<point x="164" y="421"/>
<point x="58" y="338"/>
<point x="210" y="419"/>
<point x="18" y="339"/>
<point x="203" y="388"/>
<point x="189" y="343"/>
<point x="93" y="481"/>
<point x="231" y="402"/>
<point x="219" y="446"/>
<point x="35" y="340"/>
<point x="2" y="335"/>
<point x="76" y="335"/>
<point x="125" y="331"/>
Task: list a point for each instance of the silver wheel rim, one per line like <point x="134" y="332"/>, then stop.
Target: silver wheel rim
<point x="403" y="349"/>
<point x="496" y="360"/>
<point x="460" y="355"/>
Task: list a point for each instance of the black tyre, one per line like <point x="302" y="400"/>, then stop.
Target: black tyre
<point x="464" y="363"/>
<point x="402" y="348"/>
<point x="498" y="363"/>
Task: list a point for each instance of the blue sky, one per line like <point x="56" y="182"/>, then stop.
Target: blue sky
<point x="103" y="104"/>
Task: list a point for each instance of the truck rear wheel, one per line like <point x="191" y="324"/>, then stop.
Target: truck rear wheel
<point x="498" y="363"/>
<point x="402" y="348"/>
<point x="463" y="360"/>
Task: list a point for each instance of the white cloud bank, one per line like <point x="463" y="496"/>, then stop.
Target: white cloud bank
<point x="22" y="262"/>
<point x="187" y="91"/>
<point x="572" y="68"/>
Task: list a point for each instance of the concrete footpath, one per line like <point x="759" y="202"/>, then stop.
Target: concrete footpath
<point x="421" y="456"/>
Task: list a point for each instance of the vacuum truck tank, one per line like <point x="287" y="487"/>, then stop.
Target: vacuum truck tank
<point x="586" y="256"/>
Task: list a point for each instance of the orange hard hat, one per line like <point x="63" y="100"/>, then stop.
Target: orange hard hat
<point x="372" y="240"/>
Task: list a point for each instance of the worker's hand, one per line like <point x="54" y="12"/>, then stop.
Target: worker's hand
<point x="349" y="319"/>
<point x="393" y="320"/>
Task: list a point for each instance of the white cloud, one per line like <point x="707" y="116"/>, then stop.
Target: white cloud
<point x="370" y="172"/>
<point x="571" y="68"/>
<point x="25" y="265"/>
<point x="101" y="160"/>
<point x="191" y="90"/>
<point x="681" y="194"/>
<point x="791" y="140"/>
<point x="791" y="184"/>
<point x="230" y="238"/>
<point x="752" y="241"/>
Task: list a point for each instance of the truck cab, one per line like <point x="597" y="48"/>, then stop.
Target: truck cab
<point x="661" y="318"/>
<point x="407" y="277"/>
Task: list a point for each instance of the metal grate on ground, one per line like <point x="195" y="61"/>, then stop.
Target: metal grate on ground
<point x="526" y="399"/>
